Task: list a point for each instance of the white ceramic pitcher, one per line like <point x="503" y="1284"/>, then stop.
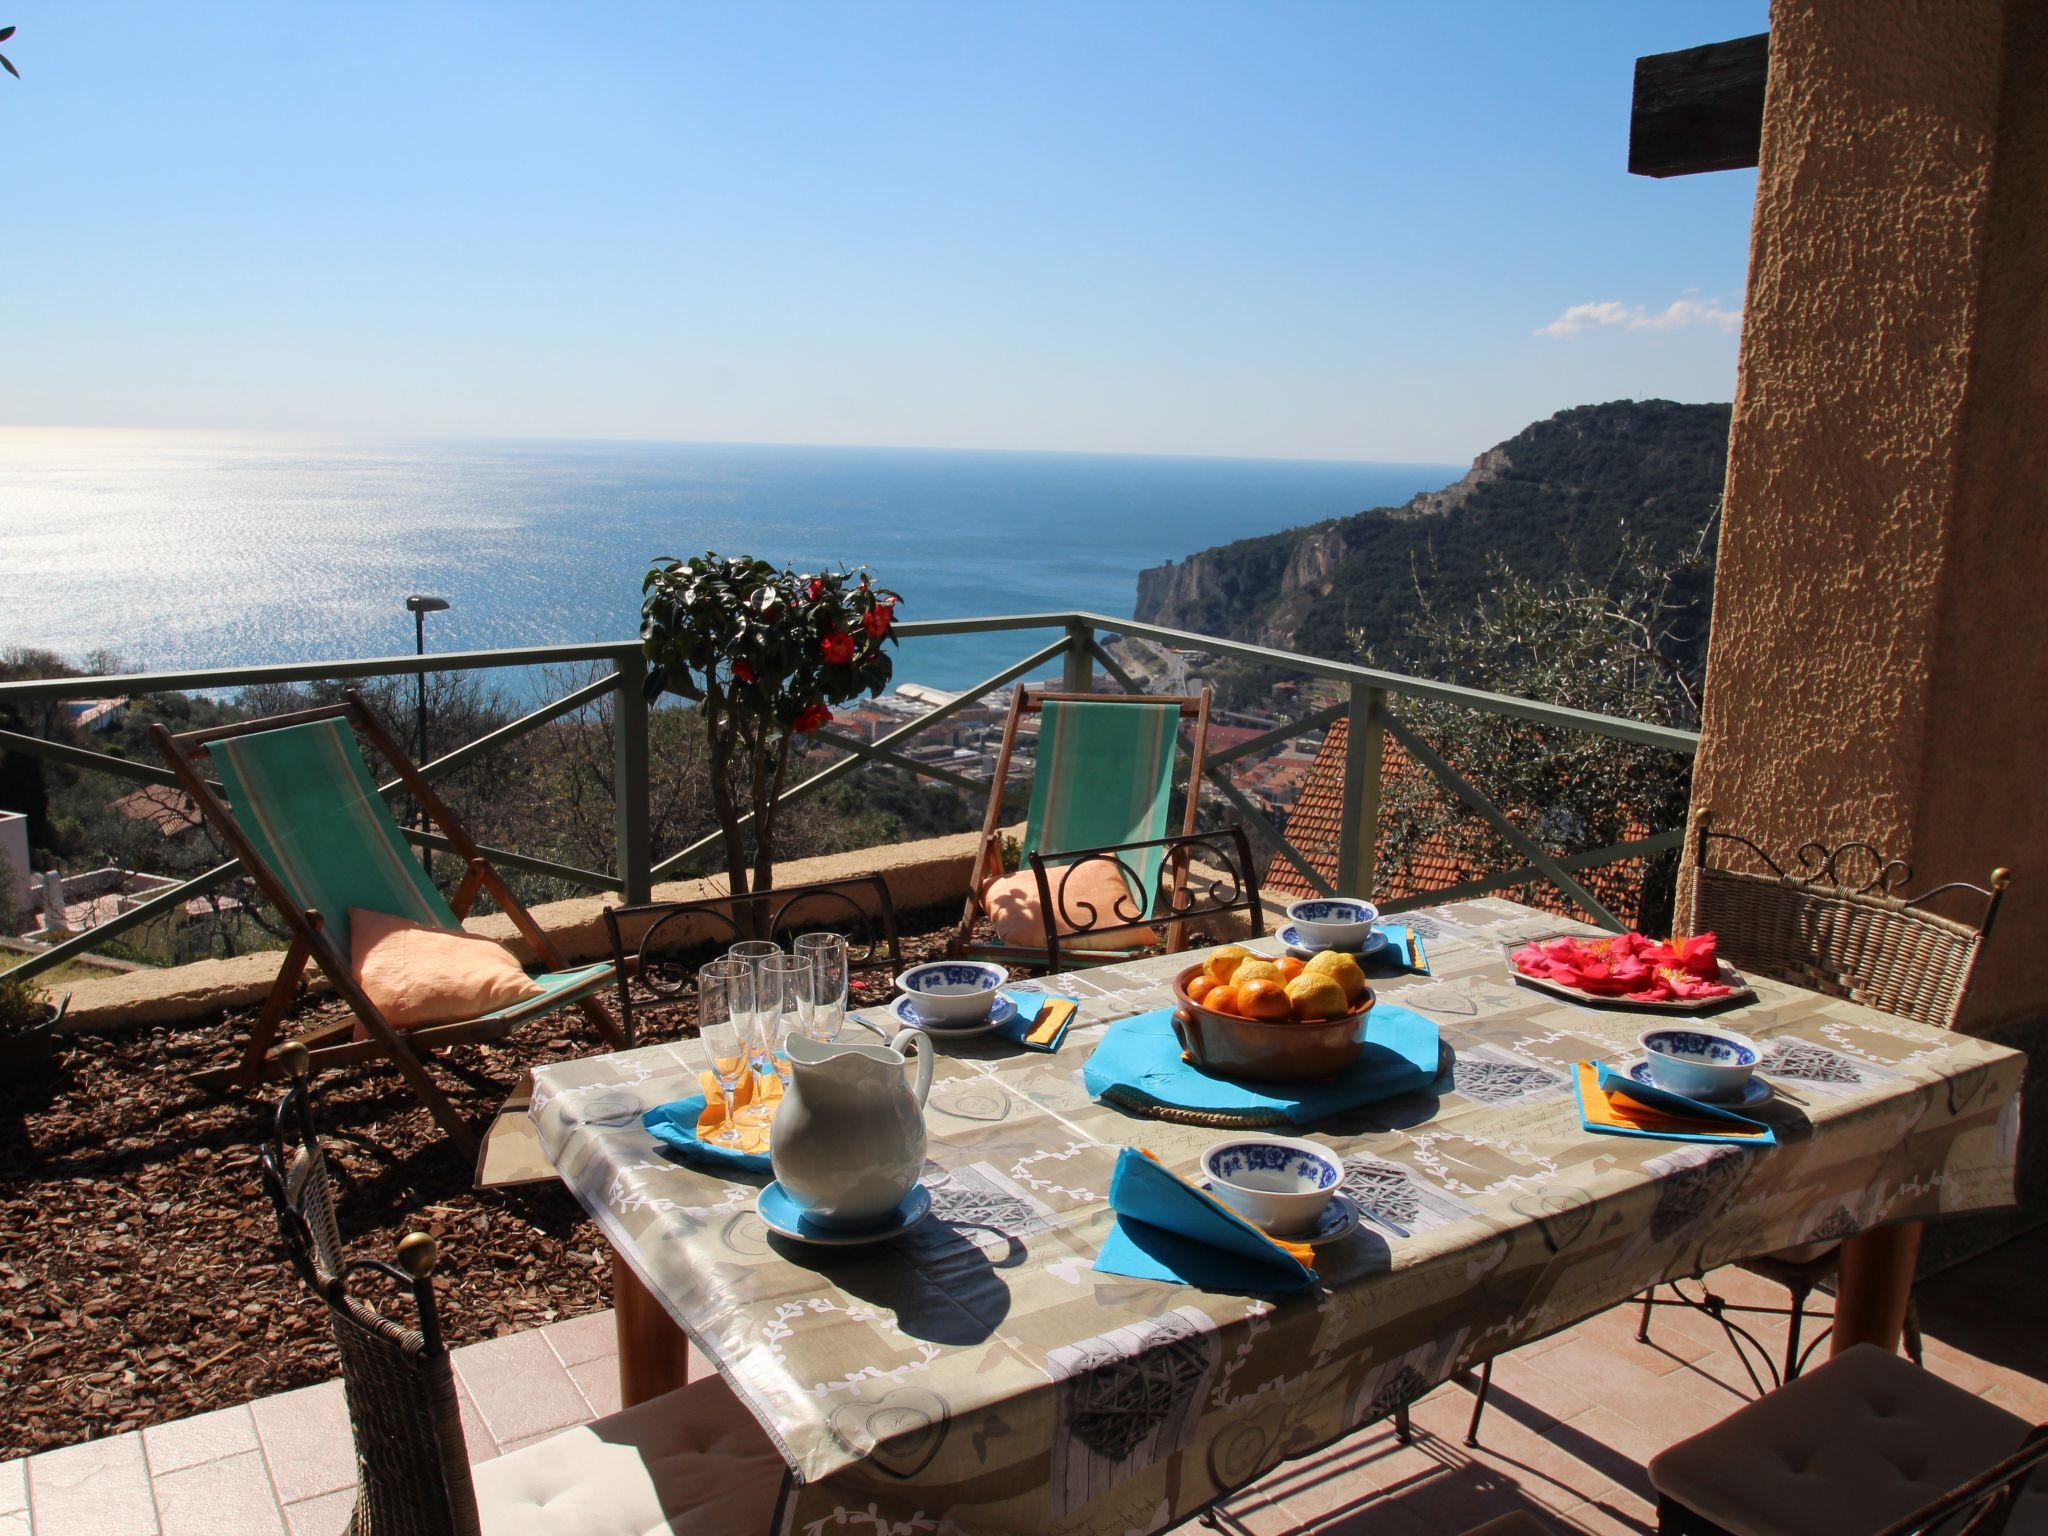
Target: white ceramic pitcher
<point x="848" y="1138"/>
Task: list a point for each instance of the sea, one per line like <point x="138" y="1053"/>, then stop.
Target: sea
<point x="187" y="549"/>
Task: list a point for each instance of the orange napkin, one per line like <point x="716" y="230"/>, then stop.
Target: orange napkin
<point x="1619" y="1112"/>
<point x="753" y="1088"/>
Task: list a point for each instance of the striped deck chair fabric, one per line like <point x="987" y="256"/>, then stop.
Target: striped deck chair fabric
<point x="1104" y="775"/>
<point x="305" y="798"/>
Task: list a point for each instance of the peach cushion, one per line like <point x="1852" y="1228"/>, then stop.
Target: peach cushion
<point x="421" y="975"/>
<point x="1012" y="904"/>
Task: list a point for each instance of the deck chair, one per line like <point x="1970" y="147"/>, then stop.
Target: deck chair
<point x="296" y="805"/>
<point x="1101" y="788"/>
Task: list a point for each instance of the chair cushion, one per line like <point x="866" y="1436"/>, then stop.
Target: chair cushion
<point x="1849" y="1447"/>
<point x="1092" y="886"/>
<point x="692" y="1462"/>
<point x="419" y="974"/>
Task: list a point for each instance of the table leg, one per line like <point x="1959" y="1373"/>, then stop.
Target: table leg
<point x="1876" y="1282"/>
<point x="654" y="1354"/>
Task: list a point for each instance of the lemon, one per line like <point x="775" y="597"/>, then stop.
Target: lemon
<point x="1340" y="968"/>
<point x="1221" y="964"/>
<point x="1253" y="968"/>
<point x="1313" y="995"/>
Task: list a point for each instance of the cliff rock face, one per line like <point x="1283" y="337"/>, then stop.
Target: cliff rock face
<point x="1560" y="490"/>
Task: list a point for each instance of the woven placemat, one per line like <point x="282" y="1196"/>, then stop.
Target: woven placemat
<point x="1223" y="1120"/>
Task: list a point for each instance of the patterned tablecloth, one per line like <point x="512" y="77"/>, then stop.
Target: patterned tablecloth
<point x="980" y="1375"/>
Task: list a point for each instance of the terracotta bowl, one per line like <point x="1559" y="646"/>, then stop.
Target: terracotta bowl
<point x="1275" y="1052"/>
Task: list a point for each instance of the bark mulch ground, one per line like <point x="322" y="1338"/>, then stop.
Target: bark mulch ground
<point x="140" y="1277"/>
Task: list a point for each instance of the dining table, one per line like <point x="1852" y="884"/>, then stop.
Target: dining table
<point x="979" y="1373"/>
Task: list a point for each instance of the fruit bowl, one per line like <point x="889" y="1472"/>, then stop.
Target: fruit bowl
<point x="1262" y="1050"/>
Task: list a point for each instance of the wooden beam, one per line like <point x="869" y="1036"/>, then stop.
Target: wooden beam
<point x="1699" y="109"/>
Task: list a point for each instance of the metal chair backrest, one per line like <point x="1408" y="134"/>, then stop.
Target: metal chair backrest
<point x="412" y="1462"/>
<point x="859" y="906"/>
<point x="1824" y="930"/>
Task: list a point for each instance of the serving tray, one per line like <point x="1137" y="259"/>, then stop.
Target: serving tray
<point x="1739" y="990"/>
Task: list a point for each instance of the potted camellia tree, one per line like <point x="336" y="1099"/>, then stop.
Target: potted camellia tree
<point x="764" y="654"/>
<point x="28" y="1028"/>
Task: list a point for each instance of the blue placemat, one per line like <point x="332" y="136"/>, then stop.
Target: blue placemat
<point x="674" y="1125"/>
<point x="1139" y="1060"/>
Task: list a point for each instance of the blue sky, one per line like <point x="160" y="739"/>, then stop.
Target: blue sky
<point x="1386" y="231"/>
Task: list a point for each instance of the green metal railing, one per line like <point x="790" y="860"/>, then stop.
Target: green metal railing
<point x="1368" y="706"/>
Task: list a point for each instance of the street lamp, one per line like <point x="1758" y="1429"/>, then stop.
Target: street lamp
<point x="419" y="605"/>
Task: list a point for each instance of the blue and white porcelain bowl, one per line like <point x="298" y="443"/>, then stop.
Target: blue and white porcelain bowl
<point x="1334" y="922"/>
<point x="1700" y="1063"/>
<point x="1277" y="1184"/>
<point x="953" y="992"/>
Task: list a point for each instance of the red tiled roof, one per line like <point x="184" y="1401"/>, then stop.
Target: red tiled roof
<point x="1316" y="821"/>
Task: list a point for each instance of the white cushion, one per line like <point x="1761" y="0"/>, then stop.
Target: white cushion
<point x="692" y="1462"/>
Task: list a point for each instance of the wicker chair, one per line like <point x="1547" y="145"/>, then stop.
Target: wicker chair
<point x="1824" y="929"/>
<point x="691" y="1461"/>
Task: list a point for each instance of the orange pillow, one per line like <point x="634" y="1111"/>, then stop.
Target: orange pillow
<point x="418" y="975"/>
<point x="1012" y="905"/>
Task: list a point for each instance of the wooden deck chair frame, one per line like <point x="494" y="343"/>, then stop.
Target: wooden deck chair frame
<point x="988" y="853"/>
<point x="330" y="1046"/>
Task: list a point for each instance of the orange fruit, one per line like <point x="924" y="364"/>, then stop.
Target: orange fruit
<point x="1290" y="966"/>
<point x="1200" y="988"/>
<point x="1264" y="1000"/>
<point x="1221" y="999"/>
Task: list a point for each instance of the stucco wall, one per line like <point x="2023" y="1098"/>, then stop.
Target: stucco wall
<point x="1878" y="666"/>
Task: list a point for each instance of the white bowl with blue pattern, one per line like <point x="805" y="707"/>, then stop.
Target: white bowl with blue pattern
<point x="1276" y="1183"/>
<point x="953" y="993"/>
<point x="1712" y="1064"/>
<point x="1334" y="922"/>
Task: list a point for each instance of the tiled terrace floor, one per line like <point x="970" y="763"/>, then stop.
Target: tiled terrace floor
<point x="1572" y="1421"/>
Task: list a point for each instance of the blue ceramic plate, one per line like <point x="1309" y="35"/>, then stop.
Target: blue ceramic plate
<point x="1001" y="1012"/>
<point x="1755" y="1091"/>
<point x="1291" y="936"/>
<point x="786" y="1218"/>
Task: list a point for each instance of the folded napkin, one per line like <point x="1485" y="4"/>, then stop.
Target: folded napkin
<point x="686" y="1125"/>
<point x="1042" y="1022"/>
<point x="1166" y="1229"/>
<point x="1139" y="1063"/>
<point x="1403" y="951"/>
<point x="1612" y="1103"/>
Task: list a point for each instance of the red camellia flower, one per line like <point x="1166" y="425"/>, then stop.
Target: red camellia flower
<point x="742" y="673"/>
<point x="816" y="590"/>
<point x="837" y="646"/>
<point x="811" y="718"/>
<point x="876" y="619"/>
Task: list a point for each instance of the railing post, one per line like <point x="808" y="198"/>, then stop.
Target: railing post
<point x="1358" y="840"/>
<point x="629" y="778"/>
<point x="1078" y="676"/>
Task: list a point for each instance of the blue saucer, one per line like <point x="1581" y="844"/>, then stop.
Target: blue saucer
<point x="1754" y="1092"/>
<point x="1297" y="945"/>
<point x="1001" y="1012"/>
<point x="786" y="1218"/>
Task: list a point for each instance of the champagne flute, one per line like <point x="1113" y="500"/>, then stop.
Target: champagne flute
<point x="787" y="979"/>
<point x="827" y="953"/>
<point x="725" y="1012"/>
<point x="754" y="954"/>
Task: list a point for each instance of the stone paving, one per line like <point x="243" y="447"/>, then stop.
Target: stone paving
<point x="1570" y="1424"/>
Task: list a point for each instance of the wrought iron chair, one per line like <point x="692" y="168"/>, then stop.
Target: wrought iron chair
<point x="670" y="931"/>
<point x="692" y="1462"/>
<point x="1865" y="1442"/>
<point x="1866" y="941"/>
<point x="1200" y="876"/>
<point x="1823" y="930"/>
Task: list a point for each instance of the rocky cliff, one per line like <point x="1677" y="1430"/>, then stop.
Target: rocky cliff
<point x="1560" y="491"/>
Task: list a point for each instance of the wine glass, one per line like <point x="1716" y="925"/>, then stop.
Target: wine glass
<point x="754" y="954"/>
<point x="829" y="965"/>
<point x="725" y="1014"/>
<point x="787" y="979"/>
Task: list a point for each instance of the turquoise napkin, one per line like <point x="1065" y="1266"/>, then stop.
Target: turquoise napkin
<point x="1166" y="1229"/>
<point x="1403" y="954"/>
<point x="1612" y="1103"/>
<point x="674" y="1125"/>
<point x="1139" y="1061"/>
